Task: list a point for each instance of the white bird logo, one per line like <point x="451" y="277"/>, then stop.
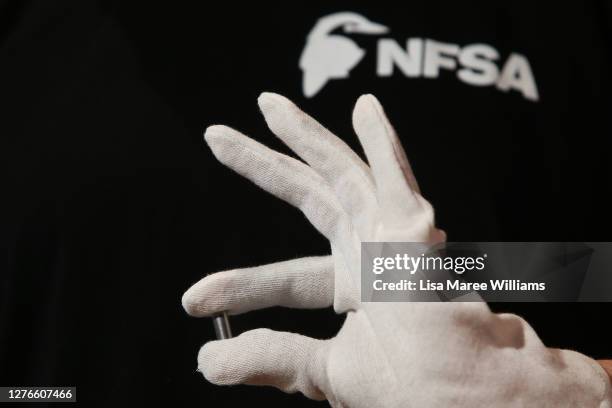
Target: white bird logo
<point x="328" y="56"/>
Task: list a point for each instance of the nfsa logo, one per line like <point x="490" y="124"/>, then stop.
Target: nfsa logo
<point x="328" y="56"/>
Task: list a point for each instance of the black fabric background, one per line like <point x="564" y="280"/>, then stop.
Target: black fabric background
<point x="113" y="205"/>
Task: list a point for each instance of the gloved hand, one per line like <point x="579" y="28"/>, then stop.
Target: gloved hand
<point x="386" y="354"/>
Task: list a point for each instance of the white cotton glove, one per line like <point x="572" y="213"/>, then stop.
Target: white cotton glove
<point x="386" y="354"/>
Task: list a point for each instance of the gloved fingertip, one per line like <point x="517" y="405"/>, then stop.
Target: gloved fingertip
<point x="368" y="115"/>
<point x="222" y="140"/>
<point x="265" y="95"/>
<point x="208" y="296"/>
<point x="267" y="101"/>
<point x="362" y="106"/>
<point x="365" y="97"/>
<point x="365" y="104"/>
<point x="270" y="96"/>
<point x="213" y="132"/>
<point x="189" y="305"/>
<point x="209" y="365"/>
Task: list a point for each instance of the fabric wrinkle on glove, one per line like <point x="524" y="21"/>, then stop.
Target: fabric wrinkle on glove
<point x="386" y="354"/>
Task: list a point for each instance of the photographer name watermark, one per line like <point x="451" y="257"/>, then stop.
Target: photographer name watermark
<point x="487" y="271"/>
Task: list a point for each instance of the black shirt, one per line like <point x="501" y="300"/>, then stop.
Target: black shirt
<point x="113" y="205"/>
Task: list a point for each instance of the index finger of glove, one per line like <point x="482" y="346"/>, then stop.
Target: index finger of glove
<point x="301" y="283"/>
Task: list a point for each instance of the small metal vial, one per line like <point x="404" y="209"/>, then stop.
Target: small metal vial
<point x="222" y="326"/>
